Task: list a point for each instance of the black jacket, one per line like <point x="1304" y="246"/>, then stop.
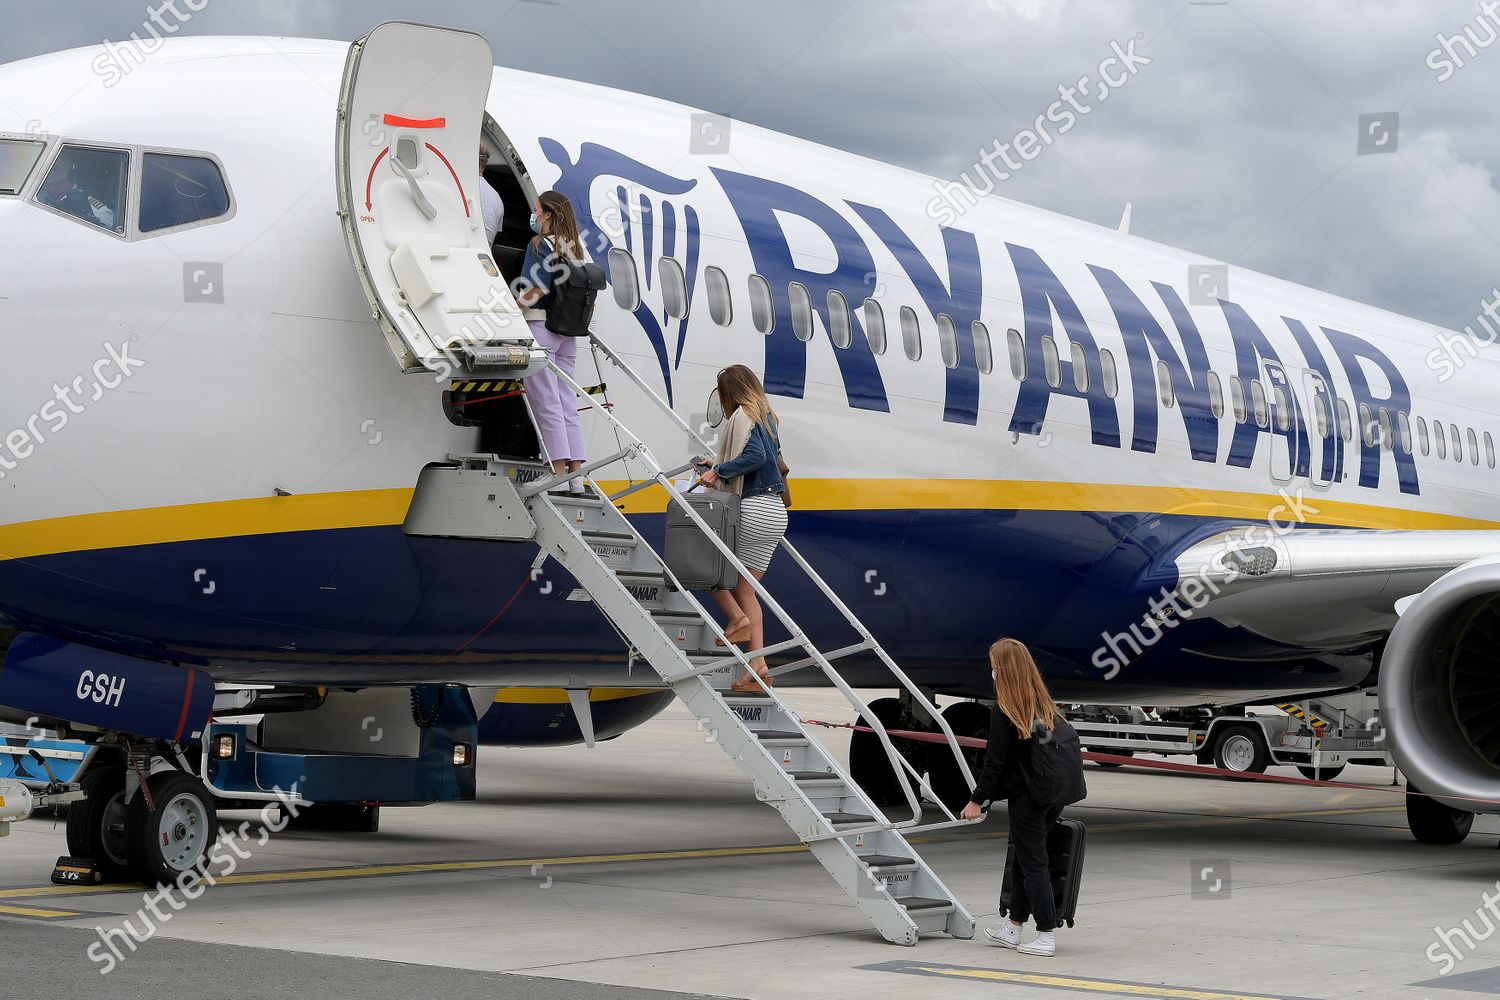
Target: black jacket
<point x="1006" y="754"/>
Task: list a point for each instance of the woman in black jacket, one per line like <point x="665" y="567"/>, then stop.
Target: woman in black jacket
<point x="1024" y="713"/>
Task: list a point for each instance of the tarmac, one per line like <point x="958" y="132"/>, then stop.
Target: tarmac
<point x="645" y="868"/>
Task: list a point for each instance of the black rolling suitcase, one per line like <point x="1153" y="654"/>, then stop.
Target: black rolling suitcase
<point x="689" y="553"/>
<point x="1065" y="846"/>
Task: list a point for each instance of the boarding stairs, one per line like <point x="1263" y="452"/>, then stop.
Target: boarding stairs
<point x="868" y="854"/>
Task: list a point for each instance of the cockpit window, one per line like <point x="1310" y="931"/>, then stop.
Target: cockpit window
<point x="180" y="190"/>
<point x="17" y="158"/>
<point x="89" y="185"/>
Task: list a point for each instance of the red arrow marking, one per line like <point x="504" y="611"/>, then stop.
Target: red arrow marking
<point x="460" y="183"/>
<point x="400" y="122"/>
<point x="370" y="181"/>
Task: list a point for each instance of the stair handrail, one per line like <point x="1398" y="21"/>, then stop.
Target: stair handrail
<point x="899" y="763"/>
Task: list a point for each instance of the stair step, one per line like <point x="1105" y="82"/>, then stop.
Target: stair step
<point x="812" y="775"/>
<point x="779" y="735"/>
<point x="575" y="500"/>
<point x="614" y="536"/>
<point x="847" y="818"/>
<point x="923" y="903"/>
<point x="887" y="861"/>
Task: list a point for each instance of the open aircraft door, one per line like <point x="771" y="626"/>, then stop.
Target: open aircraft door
<point x="410" y="113"/>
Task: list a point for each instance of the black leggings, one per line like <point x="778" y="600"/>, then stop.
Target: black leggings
<point x="1030" y="879"/>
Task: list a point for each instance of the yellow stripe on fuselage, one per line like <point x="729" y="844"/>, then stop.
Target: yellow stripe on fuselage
<point x="371" y="508"/>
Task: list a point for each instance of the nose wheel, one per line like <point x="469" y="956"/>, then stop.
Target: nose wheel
<point x="170" y="831"/>
<point x="96" y="826"/>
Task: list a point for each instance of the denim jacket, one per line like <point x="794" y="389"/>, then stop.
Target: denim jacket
<point x="757" y="463"/>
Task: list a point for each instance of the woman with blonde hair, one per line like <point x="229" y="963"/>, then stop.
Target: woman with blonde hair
<point x="748" y="464"/>
<point x="1024" y="718"/>
<point x="553" y="404"/>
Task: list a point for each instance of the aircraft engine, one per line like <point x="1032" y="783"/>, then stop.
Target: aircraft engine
<point x="1440" y="688"/>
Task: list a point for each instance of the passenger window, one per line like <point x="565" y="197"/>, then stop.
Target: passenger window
<point x="1422" y="441"/>
<point x="840" y="327"/>
<point x="720" y="308"/>
<point x="1403" y="427"/>
<point x="802" y="319"/>
<point x="1320" y="414"/>
<point x="1367" y="425"/>
<point x="911" y="334"/>
<point x="17" y="159"/>
<point x="875" y="326"/>
<point x="1346" y="423"/>
<point x="1258" y="403"/>
<point x="1215" y="395"/>
<point x="983" y="356"/>
<point x="1080" y="368"/>
<point x="762" y="309"/>
<point x="1164" y="384"/>
<point x="1457" y="445"/>
<point x="1107" y="370"/>
<point x="622" y="278"/>
<point x="1473" y="447"/>
<point x="1237" y="398"/>
<point x="180" y="190"/>
<point x="1386" y="437"/>
<point x="1051" y="365"/>
<point x="1489" y="450"/>
<point x="1016" y="348"/>
<point x="947" y="340"/>
<point x="673" y="287"/>
<point x="89" y="185"/>
<point x="1440" y="442"/>
<point x="1283" y="408"/>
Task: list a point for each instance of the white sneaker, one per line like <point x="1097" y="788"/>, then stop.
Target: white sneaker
<point x="1007" y="935"/>
<point x="1044" y="944"/>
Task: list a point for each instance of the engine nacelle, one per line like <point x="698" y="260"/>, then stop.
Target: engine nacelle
<point x="1440" y="688"/>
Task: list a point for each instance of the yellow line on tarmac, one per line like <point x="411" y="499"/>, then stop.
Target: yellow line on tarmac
<point x="420" y="868"/>
<point x="26" y="911"/>
<point x="1086" y="985"/>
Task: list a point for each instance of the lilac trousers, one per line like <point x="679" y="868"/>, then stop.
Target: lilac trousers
<point x="553" y="404"/>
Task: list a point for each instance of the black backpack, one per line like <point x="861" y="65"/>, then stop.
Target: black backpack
<point x="1054" y="772"/>
<point x="570" y="307"/>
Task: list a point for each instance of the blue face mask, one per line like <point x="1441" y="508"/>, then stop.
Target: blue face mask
<point x="536" y="227"/>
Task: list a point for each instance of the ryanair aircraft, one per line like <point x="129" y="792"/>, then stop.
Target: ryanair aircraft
<point x="1179" y="482"/>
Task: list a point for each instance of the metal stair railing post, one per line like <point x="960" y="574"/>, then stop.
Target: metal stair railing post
<point x="849" y="616"/>
<point x="898" y="763"/>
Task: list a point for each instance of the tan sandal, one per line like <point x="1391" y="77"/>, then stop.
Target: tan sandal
<point x="736" y="635"/>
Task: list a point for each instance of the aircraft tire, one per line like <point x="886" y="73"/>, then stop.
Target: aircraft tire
<point x="868" y="764"/>
<point x="965" y="718"/>
<point x="172" y="835"/>
<point x="96" y="826"/>
<point x="1432" y="822"/>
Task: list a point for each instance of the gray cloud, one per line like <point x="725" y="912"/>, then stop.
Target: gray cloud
<point x="1238" y="141"/>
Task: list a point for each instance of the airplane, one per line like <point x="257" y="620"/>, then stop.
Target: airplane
<point x="1178" y="481"/>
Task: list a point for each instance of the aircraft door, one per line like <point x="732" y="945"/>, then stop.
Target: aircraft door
<point x="1326" y="458"/>
<point x="1284" y="419"/>
<point x="411" y="109"/>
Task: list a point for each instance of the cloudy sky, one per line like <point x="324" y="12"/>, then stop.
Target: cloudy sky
<point x="1239" y="140"/>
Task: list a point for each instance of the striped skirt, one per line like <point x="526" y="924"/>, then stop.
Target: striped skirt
<point x="762" y="525"/>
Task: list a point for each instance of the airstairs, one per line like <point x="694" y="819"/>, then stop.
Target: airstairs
<point x="868" y="854"/>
